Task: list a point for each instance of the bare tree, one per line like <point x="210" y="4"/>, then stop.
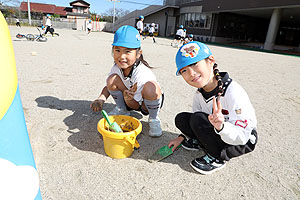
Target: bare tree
<point x="10" y="2"/>
<point x="119" y="12"/>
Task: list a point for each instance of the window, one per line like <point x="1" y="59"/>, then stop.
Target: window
<point x="79" y="9"/>
<point x="197" y="20"/>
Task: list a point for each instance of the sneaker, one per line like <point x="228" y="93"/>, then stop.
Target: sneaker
<point x="119" y="111"/>
<point x="207" y="164"/>
<point x="155" y="128"/>
<point x="191" y="144"/>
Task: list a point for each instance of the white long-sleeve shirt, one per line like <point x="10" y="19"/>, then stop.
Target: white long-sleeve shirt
<point x="237" y="109"/>
<point x="180" y="32"/>
<point x="48" y="22"/>
<point x="140" y="25"/>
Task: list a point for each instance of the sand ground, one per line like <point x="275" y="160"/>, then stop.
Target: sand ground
<point x="59" y="79"/>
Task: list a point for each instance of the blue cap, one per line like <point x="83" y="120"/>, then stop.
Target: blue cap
<point x="127" y="36"/>
<point x="191" y="35"/>
<point x="181" y="26"/>
<point x="141" y="17"/>
<point x="190" y="53"/>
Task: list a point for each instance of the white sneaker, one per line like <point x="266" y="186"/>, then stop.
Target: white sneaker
<point x="119" y="111"/>
<point x="155" y="128"/>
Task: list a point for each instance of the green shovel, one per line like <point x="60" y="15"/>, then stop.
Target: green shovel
<point x="162" y="153"/>
<point x="112" y="126"/>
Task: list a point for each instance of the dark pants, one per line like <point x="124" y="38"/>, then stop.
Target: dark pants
<point x="18" y="24"/>
<point x="197" y="126"/>
<point x="51" y="30"/>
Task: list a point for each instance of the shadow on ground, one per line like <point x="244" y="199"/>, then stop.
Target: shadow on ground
<point x="82" y="125"/>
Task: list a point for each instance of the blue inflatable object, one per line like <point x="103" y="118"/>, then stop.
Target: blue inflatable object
<point x="18" y="174"/>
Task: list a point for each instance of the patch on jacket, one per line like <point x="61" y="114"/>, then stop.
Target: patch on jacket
<point x="241" y="123"/>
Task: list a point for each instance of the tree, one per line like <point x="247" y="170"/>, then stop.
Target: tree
<point x="119" y="12"/>
<point x="10" y="2"/>
<point x="10" y="8"/>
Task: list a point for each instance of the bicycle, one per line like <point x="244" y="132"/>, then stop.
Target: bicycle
<point x="31" y="37"/>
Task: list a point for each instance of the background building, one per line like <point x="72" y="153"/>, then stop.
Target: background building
<point x="269" y="25"/>
<point x="76" y="15"/>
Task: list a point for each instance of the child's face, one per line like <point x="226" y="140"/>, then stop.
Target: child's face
<point x="199" y="74"/>
<point x="124" y="57"/>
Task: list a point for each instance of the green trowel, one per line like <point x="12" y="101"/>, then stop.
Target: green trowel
<point x="114" y="127"/>
<point x="162" y="153"/>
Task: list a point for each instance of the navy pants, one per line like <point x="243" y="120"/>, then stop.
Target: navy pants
<point x="197" y="126"/>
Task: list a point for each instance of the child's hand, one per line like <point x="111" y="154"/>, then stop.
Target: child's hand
<point x="217" y="118"/>
<point x="128" y="94"/>
<point x="97" y="105"/>
<point x="175" y="142"/>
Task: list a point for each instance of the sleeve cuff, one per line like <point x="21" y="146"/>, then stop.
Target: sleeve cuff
<point x="218" y="132"/>
<point x="181" y="135"/>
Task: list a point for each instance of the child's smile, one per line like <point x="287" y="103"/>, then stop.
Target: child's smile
<point x="124" y="57"/>
<point x="198" y="74"/>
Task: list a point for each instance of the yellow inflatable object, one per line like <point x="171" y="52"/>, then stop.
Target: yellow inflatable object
<point x="8" y="74"/>
<point x="19" y="178"/>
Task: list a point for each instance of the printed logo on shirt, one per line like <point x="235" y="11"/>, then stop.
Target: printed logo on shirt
<point x="190" y="50"/>
<point x="241" y="123"/>
<point x="226" y="118"/>
<point x="225" y="112"/>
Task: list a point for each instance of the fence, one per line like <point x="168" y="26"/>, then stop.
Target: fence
<point x="63" y="23"/>
<point x="99" y="26"/>
<point x="56" y="22"/>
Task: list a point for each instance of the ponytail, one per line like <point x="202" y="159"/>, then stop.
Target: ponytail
<point x="220" y="89"/>
<point x="141" y="59"/>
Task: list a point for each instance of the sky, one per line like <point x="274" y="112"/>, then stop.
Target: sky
<point x="101" y="6"/>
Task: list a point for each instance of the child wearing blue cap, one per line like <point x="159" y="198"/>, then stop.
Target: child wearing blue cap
<point x="223" y="121"/>
<point x="131" y="82"/>
<point x="178" y="37"/>
<point x="140" y="24"/>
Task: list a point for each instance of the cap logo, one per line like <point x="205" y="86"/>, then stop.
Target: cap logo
<point x="190" y="50"/>
<point x="138" y="37"/>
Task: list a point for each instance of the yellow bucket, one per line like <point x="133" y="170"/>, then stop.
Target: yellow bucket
<point x="120" y="145"/>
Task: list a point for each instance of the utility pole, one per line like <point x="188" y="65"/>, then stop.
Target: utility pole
<point x="114" y="15"/>
<point x="29" y="16"/>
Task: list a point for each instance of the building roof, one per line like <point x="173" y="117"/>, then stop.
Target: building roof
<point x="84" y="3"/>
<point x="45" y="8"/>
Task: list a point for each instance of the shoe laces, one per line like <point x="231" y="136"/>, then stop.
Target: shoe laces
<point x="208" y="159"/>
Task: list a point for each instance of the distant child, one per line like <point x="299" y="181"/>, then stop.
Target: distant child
<point x="151" y="32"/>
<point x="178" y="36"/>
<point x="189" y="38"/>
<point x="184" y="34"/>
<point x="89" y="26"/>
<point x="131" y="82"/>
<point x="140" y="24"/>
<point x="18" y="23"/>
<point x="48" y="25"/>
<point x="223" y="121"/>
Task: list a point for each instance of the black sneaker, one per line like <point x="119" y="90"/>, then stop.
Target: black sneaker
<point x="191" y="144"/>
<point x="207" y="164"/>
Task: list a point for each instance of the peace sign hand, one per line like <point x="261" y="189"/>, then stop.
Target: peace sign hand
<point x="217" y="118"/>
<point x="129" y="94"/>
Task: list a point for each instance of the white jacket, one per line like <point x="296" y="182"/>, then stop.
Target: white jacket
<point x="237" y="109"/>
